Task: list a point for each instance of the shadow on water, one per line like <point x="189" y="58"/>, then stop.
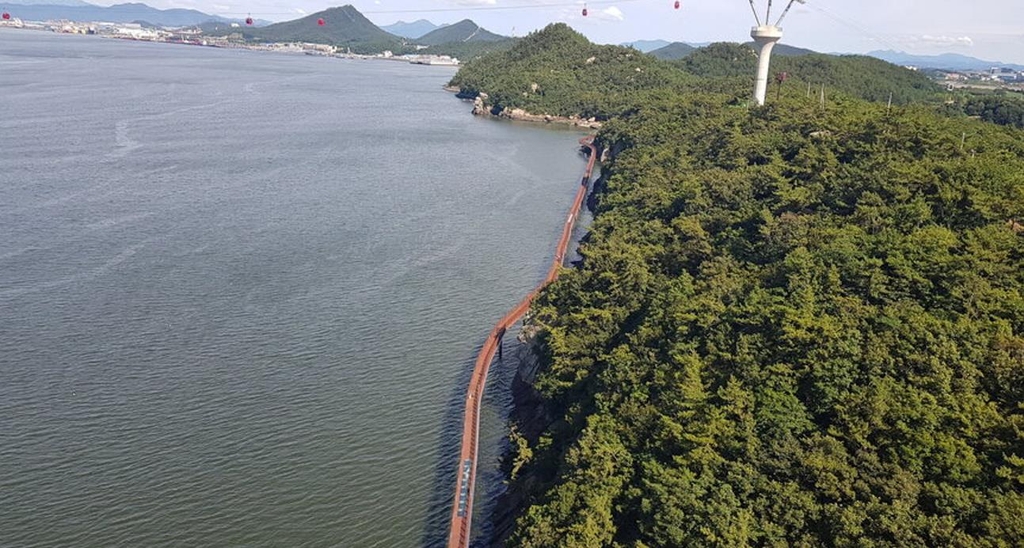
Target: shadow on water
<point x="435" y="532"/>
<point x="498" y="407"/>
<point x="490" y="484"/>
<point x="496" y="411"/>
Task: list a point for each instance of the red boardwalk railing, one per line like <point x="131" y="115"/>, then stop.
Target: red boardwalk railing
<point x="462" y="509"/>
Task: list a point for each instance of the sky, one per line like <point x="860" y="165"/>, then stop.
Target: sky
<point x="987" y="29"/>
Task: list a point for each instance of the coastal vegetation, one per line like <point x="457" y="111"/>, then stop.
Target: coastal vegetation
<point x="467" y="51"/>
<point x="557" y="71"/>
<point x="793" y="325"/>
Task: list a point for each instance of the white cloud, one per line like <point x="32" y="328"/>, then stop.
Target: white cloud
<point x="300" y="11"/>
<point x="947" y="40"/>
<point x="611" y="13"/>
<point x="575" y="15"/>
<point x="936" y="40"/>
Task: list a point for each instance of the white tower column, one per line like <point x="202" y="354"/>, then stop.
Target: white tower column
<point x="765" y="36"/>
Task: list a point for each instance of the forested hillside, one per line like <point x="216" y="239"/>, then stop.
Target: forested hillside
<point x="347" y="28"/>
<point x="343" y="26"/>
<point x="467" y="51"/>
<point x="859" y="76"/>
<point x="998" y="108"/>
<point x="789" y="328"/>
<point x="463" y="31"/>
<point x="792" y="325"/>
<point x="675" y="50"/>
<point x="854" y="75"/>
<point x="558" y="71"/>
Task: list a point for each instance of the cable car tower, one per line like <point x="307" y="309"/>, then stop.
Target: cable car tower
<point x="765" y="36"/>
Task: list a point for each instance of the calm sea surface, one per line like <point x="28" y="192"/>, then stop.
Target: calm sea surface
<point x="240" y="292"/>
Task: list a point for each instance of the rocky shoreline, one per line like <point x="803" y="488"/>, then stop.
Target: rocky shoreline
<point x="530" y="418"/>
<point x="530" y="415"/>
<point x="482" y="108"/>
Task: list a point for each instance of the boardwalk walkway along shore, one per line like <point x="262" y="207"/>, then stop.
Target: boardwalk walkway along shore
<point x="462" y="509"/>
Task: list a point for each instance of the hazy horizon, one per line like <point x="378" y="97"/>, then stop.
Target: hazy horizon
<point x="986" y="29"/>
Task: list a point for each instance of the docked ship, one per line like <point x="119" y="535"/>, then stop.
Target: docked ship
<point x="442" y="60"/>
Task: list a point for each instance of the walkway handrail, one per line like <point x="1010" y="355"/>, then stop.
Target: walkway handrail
<point x="462" y="507"/>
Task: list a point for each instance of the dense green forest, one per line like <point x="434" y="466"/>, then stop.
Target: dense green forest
<point x="792" y="325"/>
<point x="855" y="75"/>
<point x="467" y="51"/>
<point x="558" y="71"/>
<point x="998" y="108"/>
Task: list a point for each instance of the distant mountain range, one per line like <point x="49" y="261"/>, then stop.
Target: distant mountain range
<point x="411" y="30"/>
<point x="348" y="28"/>
<point x="679" y="50"/>
<point x="463" y="31"/>
<point x="75" y="10"/>
<point x="949" y="61"/>
<point x="785" y="50"/>
<point x="675" y="50"/>
<point x="47" y="3"/>
<point x="344" y="26"/>
<point x="648" y="46"/>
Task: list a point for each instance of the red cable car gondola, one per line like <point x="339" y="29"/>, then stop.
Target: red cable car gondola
<point x="677" y="4"/>
<point x="7" y="16"/>
<point x="584" y="10"/>
<point x="248" y="20"/>
<point x="321" y="21"/>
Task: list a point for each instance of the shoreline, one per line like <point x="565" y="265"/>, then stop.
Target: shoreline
<point x="529" y="417"/>
<point x="481" y="108"/>
<point x="460" y="531"/>
<point x="215" y="42"/>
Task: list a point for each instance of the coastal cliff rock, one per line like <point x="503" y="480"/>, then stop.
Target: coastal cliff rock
<point x="531" y="418"/>
<point x="481" y="108"/>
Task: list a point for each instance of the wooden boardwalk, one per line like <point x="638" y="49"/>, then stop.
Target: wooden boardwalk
<point x="462" y="509"/>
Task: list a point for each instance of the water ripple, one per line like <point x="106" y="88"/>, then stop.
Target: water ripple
<point x="251" y="326"/>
